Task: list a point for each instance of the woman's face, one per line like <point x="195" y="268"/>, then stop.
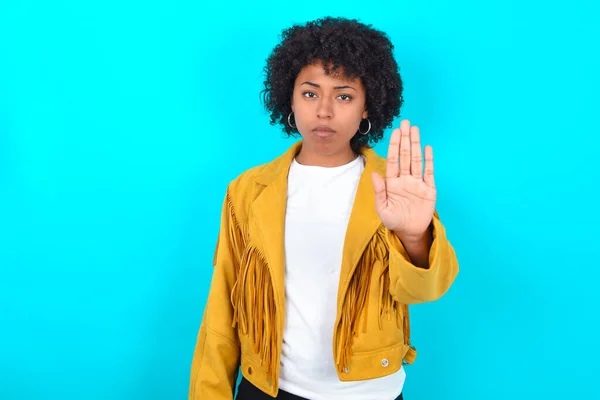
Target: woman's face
<point x="327" y="110"/>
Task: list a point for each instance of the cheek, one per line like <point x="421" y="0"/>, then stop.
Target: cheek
<point x="301" y="117"/>
<point x="302" y="112"/>
<point x="353" y="117"/>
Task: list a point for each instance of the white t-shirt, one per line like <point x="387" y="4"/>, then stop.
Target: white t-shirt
<point x="319" y="203"/>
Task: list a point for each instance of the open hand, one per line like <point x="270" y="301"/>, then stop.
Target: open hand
<point x="405" y="200"/>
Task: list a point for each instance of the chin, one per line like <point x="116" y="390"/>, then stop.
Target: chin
<point x="323" y="149"/>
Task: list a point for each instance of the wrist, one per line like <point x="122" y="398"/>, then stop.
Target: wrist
<point x="414" y="238"/>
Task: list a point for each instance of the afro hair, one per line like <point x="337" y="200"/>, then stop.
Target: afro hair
<point x="357" y="49"/>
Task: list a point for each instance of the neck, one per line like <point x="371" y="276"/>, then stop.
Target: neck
<point x="305" y="157"/>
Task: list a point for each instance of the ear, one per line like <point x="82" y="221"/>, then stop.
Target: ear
<point x="365" y="114"/>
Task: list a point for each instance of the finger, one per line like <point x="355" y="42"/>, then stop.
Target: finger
<point x="428" y="178"/>
<point x="416" y="155"/>
<point x="392" y="157"/>
<point x="405" y="148"/>
<point x="380" y="192"/>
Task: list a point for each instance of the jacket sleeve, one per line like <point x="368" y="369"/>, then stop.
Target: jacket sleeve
<point x="216" y="355"/>
<point x="412" y="285"/>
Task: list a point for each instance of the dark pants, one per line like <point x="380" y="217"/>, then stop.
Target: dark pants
<point x="247" y="391"/>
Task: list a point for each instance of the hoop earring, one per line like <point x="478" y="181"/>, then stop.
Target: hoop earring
<point x="368" y="130"/>
<point x="290" y="122"/>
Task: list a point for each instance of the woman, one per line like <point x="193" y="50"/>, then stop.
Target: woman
<point x="321" y="250"/>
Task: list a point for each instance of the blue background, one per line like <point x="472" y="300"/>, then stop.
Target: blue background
<point x="121" y="124"/>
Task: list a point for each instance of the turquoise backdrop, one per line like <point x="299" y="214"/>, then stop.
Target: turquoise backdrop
<point x="121" y="122"/>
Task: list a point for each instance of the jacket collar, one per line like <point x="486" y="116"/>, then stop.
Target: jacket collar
<point x="267" y="216"/>
<point x="280" y="165"/>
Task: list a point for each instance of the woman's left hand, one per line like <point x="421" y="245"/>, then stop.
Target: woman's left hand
<point x="405" y="200"/>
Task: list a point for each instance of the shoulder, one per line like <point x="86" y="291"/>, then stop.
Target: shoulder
<point x="246" y="180"/>
<point x="244" y="188"/>
<point x="263" y="174"/>
<point x="378" y="162"/>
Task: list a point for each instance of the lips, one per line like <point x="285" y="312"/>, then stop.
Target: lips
<point x="323" y="131"/>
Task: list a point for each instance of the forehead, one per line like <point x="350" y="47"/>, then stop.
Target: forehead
<point x="316" y="73"/>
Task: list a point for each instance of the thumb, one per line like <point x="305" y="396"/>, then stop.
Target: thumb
<point x="380" y="191"/>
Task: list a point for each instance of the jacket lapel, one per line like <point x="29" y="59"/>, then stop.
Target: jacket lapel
<point x="267" y="217"/>
<point x="363" y="222"/>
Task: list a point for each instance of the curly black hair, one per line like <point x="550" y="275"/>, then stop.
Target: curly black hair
<point x="358" y="49"/>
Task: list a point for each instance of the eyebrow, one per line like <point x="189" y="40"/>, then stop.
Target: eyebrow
<point x="336" y="87"/>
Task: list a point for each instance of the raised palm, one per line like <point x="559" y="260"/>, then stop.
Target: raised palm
<point x="405" y="200"/>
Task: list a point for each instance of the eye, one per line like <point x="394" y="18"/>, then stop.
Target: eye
<point x="345" y="97"/>
<point x="309" y="95"/>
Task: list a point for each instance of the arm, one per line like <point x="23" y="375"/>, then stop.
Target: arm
<point x="427" y="278"/>
<point x="216" y="356"/>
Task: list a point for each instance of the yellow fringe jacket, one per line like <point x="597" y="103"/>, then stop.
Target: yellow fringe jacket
<point x="243" y="320"/>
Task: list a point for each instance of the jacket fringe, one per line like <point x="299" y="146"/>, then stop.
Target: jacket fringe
<point x="356" y="301"/>
<point x="253" y="297"/>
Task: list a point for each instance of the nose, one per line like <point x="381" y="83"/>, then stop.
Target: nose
<point x="325" y="109"/>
